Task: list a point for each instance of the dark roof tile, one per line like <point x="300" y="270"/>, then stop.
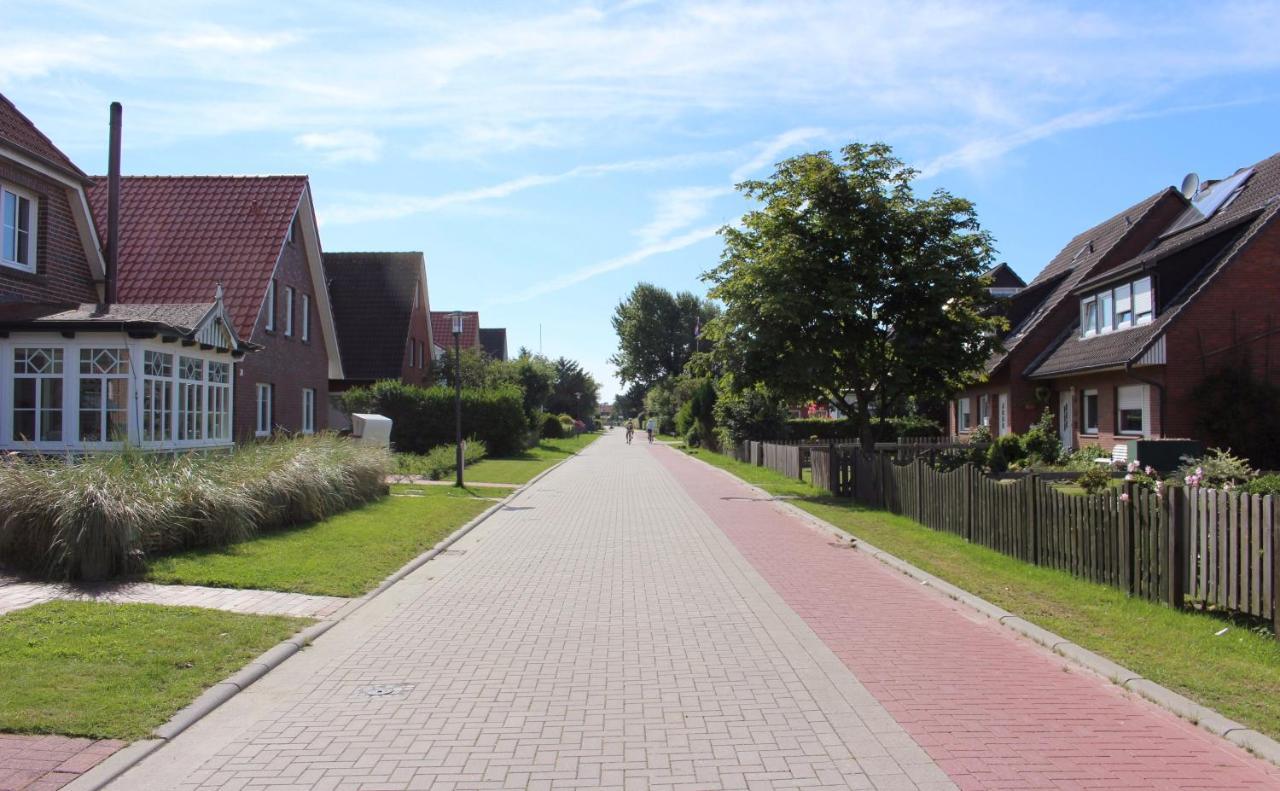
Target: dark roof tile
<point x="372" y="298"/>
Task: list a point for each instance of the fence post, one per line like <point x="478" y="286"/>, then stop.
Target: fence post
<point x="919" y="503"/>
<point x="1032" y="547"/>
<point x="1269" y="511"/>
<point x="1126" y="538"/>
<point x="968" y="501"/>
<point x="1176" y="498"/>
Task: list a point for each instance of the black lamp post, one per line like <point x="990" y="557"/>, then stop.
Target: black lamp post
<point x="457" y="389"/>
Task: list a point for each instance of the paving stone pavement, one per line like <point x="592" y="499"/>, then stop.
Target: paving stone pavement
<point x="45" y="763"/>
<point x="599" y="632"/>
<point x="15" y="594"/>
<point x="993" y="709"/>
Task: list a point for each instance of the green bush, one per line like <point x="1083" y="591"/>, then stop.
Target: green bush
<point x="692" y="438"/>
<point x="551" y="427"/>
<point x="1266" y="484"/>
<point x="104" y="514"/>
<point x="1237" y="410"/>
<point x="422" y="417"/>
<point x="1215" y="470"/>
<point x="1095" y="479"/>
<point x="753" y="414"/>
<point x="1083" y="458"/>
<point x="1041" y="442"/>
<point x="566" y="425"/>
<point x="441" y="461"/>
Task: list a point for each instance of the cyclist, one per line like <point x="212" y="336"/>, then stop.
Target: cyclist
<point x="631" y="429"/>
<point x="651" y="425"/>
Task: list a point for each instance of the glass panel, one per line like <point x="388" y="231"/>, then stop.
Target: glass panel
<point x="1104" y="312"/>
<point x="1090" y="317"/>
<point x="50" y="410"/>
<point x="219" y="372"/>
<point x="117" y="409"/>
<point x="9" y="251"/>
<point x="104" y="361"/>
<point x="1124" y="306"/>
<point x="1131" y="420"/>
<point x="23" y="240"/>
<point x="37" y="361"/>
<point x="24" y="393"/>
<point x="191" y="368"/>
<point x="156" y="411"/>
<point x="1142" y="302"/>
<point x="1091" y="413"/>
<point x="158" y="364"/>
<point x="24" y="409"/>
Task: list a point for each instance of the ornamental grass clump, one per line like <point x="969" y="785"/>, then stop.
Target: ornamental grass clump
<point x="103" y="515"/>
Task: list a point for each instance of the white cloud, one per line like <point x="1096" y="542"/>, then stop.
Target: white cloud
<point x="769" y="154"/>
<point x="678" y="209"/>
<point x="221" y="41"/>
<point x="342" y="146"/>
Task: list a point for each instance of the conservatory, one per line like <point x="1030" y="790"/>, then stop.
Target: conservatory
<point x="93" y="378"/>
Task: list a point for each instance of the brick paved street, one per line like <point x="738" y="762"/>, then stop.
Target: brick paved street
<point x="637" y="620"/>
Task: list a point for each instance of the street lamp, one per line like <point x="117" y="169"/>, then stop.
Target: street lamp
<point x="457" y="389"/>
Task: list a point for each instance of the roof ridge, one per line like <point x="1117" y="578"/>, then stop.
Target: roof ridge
<point x="209" y="177"/>
<point x="67" y="161"/>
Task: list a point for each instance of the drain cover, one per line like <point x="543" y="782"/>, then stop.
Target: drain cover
<point x="384" y="690"/>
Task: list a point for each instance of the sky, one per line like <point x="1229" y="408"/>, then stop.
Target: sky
<point x="548" y="156"/>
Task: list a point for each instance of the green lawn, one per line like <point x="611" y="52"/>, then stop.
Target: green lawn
<point x="345" y="555"/>
<point x="1237" y="674"/>
<point x="523" y="467"/>
<point x="119" y="670"/>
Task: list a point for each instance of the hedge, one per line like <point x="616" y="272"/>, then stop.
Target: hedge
<point x="422" y="417"/>
<point x="842" y="429"/>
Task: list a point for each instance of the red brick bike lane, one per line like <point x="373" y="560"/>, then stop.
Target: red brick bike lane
<point x="994" y="710"/>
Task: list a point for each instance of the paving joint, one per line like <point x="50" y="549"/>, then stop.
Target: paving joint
<point x="1202" y="716"/>
<point x="110" y="769"/>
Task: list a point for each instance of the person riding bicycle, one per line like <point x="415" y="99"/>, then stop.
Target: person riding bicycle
<point x="631" y="430"/>
<point x="651" y="425"/>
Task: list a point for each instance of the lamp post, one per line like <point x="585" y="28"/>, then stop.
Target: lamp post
<point x="457" y="389"/>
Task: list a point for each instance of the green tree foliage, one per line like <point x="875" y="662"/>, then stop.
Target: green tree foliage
<point x="574" y="391"/>
<point x="751" y="414"/>
<point x="657" y="333"/>
<point x="845" y="282"/>
<point x="1239" y="411"/>
<point x="631" y="402"/>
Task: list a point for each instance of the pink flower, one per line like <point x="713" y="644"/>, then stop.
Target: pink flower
<point x="1150" y="470"/>
<point x="1129" y="477"/>
<point x="1124" y="498"/>
<point x="1133" y="466"/>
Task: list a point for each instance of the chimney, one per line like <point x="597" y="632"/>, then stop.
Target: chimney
<point x="113" y="206"/>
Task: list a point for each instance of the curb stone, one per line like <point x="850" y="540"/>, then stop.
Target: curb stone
<point x="124" y="759"/>
<point x="1206" y="718"/>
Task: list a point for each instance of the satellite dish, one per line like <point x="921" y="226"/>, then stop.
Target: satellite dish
<point x="1190" y="184"/>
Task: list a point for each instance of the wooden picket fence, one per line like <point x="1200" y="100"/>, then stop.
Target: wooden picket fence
<point x="1206" y="546"/>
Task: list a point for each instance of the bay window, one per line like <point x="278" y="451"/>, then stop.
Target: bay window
<point x="157" y="397"/>
<point x="190" y="398"/>
<point x="37" y="395"/>
<point x="17" y="229"/>
<point x="104" y="395"/>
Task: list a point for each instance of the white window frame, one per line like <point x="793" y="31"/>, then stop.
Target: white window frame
<point x="1126" y="395"/>
<point x="306" y="317"/>
<point x="964" y="415"/>
<point x="984" y="410"/>
<point x="288" y="311"/>
<point x="264" y="420"/>
<point x="13" y="377"/>
<point x="32" y="231"/>
<point x="1150" y="297"/>
<point x="1088" y="324"/>
<point x="192" y="408"/>
<point x="100" y="410"/>
<point x="271" y="306"/>
<point x="1085" y="416"/>
<point x="157" y="385"/>
<point x="1002" y="414"/>
<point x="1118" y="300"/>
<point x="217" y="400"/>
<point x="308" y="410"/>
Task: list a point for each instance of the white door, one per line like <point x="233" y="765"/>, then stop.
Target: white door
<point x="1003" y="416"/>
<point x="1065" y="432"/>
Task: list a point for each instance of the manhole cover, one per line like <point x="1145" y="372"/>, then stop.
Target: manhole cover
<point x="385" y="690"/>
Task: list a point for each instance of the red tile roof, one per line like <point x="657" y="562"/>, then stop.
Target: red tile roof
<point x="442" y="329"/>
<point x="18" y="131"/>
<point x="180" y="236"/>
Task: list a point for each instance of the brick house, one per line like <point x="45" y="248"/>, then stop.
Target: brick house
<point x="255" y="237"/>
<point x="442" y="331"/>
<point x="381" y="308"/>
<point x="1180" y="286"/>
<point x="81" y="369"/>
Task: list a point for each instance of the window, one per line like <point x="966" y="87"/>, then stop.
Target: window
<point x="271" y="305"/>
<point x="157" y="397"/>
<point x="1127" y="305"/>
<point x="1089" y="316"/>
<point x="1089" y="408"/>
<point x="308" y="410"/>
<point x="963" y="414"/>
<point x="1143" y="305"/>
<point x="306" y="317"/>
<point x="1003" y="416"/>
<point x="288" y="311"/>
<point x="264" y="422"/>
<point x="37" y="395"/>
<point x="984" y="411"/>
<point x="190" y="398"/>
<point x="1131" y="409"/>
<point x="1124" y="306"/>
<point x="104" y="395"/>
<point x="219" y="400"/>
<point x="1105" y="303"/>
<point x="18" y="220"/>
<point x="293" y="226"/>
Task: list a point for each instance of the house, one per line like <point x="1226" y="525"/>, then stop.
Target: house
<point x="1002" y="281"/>
<point x="442" y="331"/>
<point x="255" y="237"/>
<point x="382" y="312"/>
<point x="493" y="341"/>
<point x="1161" y="299"/>
<point x="83" y="368"/>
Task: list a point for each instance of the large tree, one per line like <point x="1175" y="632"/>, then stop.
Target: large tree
<point x="844" y="285"/>
<point x="658" y="333"/>
<point x="574" y="391"/>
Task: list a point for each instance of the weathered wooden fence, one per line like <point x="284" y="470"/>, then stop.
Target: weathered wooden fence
<point x="1214" y="547"/>
<point x="784" y="459"/>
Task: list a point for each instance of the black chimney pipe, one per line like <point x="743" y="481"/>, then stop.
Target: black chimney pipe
<point x="113" y="205"/>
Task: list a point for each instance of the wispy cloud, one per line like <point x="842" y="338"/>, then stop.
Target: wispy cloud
<point x="773" y="149"/>
<point x="639" y="255"/>
<point x="678" y="209"/>
<point x="348" y="145"/>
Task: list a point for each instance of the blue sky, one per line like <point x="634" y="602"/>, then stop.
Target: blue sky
<point x="547" y="156"/>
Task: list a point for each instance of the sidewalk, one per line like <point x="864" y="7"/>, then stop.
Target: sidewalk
<point x="16" y="594"/>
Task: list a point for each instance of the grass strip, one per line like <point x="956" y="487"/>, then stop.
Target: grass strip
<point x="118" y="671"/>
<point x="344" y="555"/>
<point x="1236" y="673"/>
<point x="523" y="467"/>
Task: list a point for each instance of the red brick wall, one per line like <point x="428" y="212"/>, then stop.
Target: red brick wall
<point x="1106" y="384"/>
<point x="1226" y="320"/>
<point x="62" y="271"/>
<point x="419" y="323"/>
<point x="288" y="363"/>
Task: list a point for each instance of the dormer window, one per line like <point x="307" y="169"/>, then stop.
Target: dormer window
<point x="17" y="229"/>
<point x="1118" y="308"/>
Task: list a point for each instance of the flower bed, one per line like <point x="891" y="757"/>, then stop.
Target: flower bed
<point x="103" y="515"/>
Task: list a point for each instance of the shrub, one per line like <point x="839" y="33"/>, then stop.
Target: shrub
<point x="753" y="414"/>
<point x="440" y="461"/>
<point x="1041" y="442"/>
<point x="1266" y="484"/>
<point x="1238" y="410"/>
<point x="1095" y="479"/>
<point x="102" y="515"/>
<point x="692" y="439"/>
<point x="1083" y="458"/>
<point x="567" y="425"/>
<point x="1217" y="469"/>
<point x="422" y="417"/>
<point x="552" y="428"/>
